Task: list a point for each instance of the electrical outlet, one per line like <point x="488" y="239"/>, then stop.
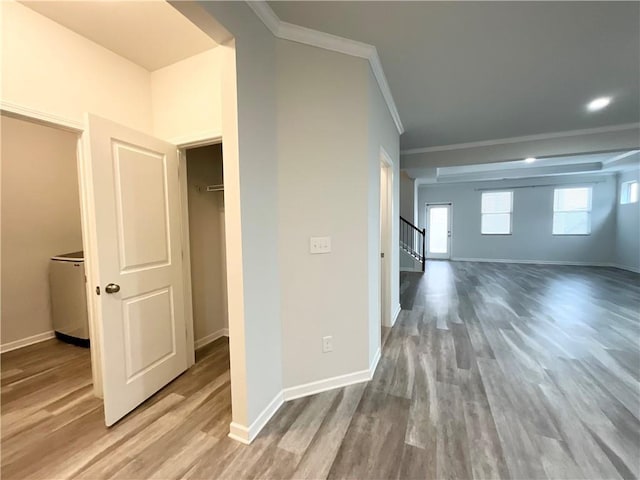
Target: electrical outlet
<point x="327" y="344"/>
<point x="320" y="245"/>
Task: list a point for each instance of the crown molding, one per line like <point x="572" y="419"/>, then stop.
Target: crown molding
<point x="327" y="41"/>
<point x="31" y="114"/>
<point x="526" y="138"/>
<point x="622" y="156"/>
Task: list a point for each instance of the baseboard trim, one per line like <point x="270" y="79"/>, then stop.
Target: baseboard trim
<point x="533" y="262"/>
<point x="374" y="363"/>
<point x="24" y="342"/>
<point x="247" y="434"/>
<point x="409" y="269"/>
<point x="549" y="262"/>
<point x="625" y="267"/>
<point x="395" y="315"/>
<point x="201" y="342"/>
<point x="319" y="386"/>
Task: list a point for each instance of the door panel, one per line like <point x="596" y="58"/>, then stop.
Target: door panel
<point x="438" y="231"/>
<point x="139" y="249"/>
<point x="142" y="206"/>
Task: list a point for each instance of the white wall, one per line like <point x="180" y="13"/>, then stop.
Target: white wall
<point x="532" y="221"/>
<point x="323" y="185"/>
<point x="251" y="206"/>
<point x="207" y="245"/>
<point x="323" y="174"/>
<point x="382" y="135"/>
<point x="49" y="68"/>
<point x="185" y="98"/>
<point x="407" y="197"/>
<point x="40" y="219"/>
<point x="627" y="238"/>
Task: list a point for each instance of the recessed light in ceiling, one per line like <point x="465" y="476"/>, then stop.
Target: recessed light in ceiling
<point x="530" y="159"/>
<point x="598" y="104"/>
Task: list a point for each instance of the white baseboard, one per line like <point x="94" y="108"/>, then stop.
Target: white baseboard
<point x="201" y="342"/>
<point x="533" y="262"/>
<point x="374" y="363"/>
<point x="625" y="267"/>
<point x="23" y="342"/>
<point x="319" y="386"/>
<point x="395" y="315"/>
<point x="247" y="434"/>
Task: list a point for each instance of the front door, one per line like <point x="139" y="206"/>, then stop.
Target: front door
<point x="139" y="253"/>
<point x="439" y="231"/>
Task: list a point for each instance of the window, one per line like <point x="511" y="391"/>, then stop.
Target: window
<point x="629" y="192"/>
<point x="496" y="213"/>
<point x="572" y="211"/>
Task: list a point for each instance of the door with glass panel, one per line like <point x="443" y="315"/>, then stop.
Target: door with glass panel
<point x="439" y="231"/>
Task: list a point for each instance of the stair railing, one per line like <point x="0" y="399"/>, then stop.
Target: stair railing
<point x="412" y="240"/>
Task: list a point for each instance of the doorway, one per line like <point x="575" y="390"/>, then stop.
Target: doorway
<point x="386" y="191"/>
<point x="205" y="218"/>
<point x="439" y="231"/>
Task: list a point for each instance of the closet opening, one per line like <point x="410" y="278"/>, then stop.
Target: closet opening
<point x="207" y="249"/>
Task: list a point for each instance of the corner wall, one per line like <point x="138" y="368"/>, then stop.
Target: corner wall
<point x="627" y="235"/>
<point x="186" y="101"/>
<point x="383" y="139"/>
<point x="49" y="68"/>
<point x="323" y="183"/>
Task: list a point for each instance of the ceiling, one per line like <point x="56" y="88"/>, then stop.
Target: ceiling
<point x="472" y="71"/>
<point x="593" y="163"/>
<point x="151" y="34"/>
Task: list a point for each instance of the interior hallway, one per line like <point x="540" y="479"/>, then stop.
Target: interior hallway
<point x="492" y="370"/>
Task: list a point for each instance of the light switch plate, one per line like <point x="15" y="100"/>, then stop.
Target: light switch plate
<point x="320" y="245"/>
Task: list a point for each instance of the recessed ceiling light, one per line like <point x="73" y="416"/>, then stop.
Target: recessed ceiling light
<point x="530" y="159"/>
<point x="598" y="103"/>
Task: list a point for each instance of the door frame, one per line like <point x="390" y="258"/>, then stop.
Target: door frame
<point x="186" y="246"/>
<point x="87" y="219"/>
<point x="450" y="230"/>
<point x="386" y="241"/>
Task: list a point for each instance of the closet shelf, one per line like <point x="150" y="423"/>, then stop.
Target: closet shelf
<point x="209" y="188"/>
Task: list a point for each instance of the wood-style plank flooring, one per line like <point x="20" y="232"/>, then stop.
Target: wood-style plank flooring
<point x="492" y="371"/>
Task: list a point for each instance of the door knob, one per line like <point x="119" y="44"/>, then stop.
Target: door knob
<point x="112" y="288"/>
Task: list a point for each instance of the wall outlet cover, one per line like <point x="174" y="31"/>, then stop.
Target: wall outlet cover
<point x="319" y="245"/>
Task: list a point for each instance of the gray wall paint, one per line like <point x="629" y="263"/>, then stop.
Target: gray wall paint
<point x="532" y="221"/>
<point x="256" y="347"/>
<point x="330" y="188"/>
<point x="407" y="197"/>
<point x="206" y="241"/>
<point x="627" y="251"/>
<point x="322" y="183"/>
<point x="381" y="133"/>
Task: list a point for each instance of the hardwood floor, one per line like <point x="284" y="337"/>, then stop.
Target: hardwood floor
<point x="492" y="371"/>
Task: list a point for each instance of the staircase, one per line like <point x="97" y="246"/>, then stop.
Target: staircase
<point x="412" y="241"/>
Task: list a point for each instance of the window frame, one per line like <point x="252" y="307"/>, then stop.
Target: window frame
<point x="482" y="214"/>
<point x="589" y="211"/>
<point x="625" y="192"/>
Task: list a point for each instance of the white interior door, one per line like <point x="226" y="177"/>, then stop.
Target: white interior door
<point x="139" y="264"/>
<point x="438" y="231"/>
